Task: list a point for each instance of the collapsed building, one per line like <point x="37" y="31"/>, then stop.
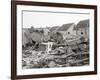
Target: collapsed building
<point x="61" y="46"/>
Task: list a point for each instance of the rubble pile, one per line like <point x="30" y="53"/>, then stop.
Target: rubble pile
<point x="63" y="55"/>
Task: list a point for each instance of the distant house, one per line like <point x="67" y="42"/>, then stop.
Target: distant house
<point x="67" y="30"/>
<point x="54" y="28"/>
<point x="82" y="28"/>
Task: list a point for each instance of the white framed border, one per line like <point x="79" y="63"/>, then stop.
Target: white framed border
<point x="21" y="71"/>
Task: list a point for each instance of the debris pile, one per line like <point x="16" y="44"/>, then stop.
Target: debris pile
<point x="62" y="55"/>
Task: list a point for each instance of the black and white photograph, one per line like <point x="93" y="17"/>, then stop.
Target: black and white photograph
<point x="54" y="39"/>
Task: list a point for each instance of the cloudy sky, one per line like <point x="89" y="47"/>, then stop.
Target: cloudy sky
<point x="43" y="19"/>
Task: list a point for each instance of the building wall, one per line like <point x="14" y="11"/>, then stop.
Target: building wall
<point x="70" y="32"/>
<point x="83" y="31"/>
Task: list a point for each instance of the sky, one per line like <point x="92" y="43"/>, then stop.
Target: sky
<point x="39" y="19"/>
